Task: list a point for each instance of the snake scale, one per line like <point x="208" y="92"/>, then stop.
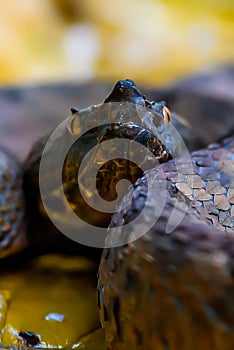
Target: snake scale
<point x="175" y="291"/>
<point x="165" y="290"/>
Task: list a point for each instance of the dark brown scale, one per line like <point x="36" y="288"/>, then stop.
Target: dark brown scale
<point x="12" y="228"/>
<point x="141" y="135"/>
<point x="176" y="288"/>
<point x="110" y="174"/>
<point x="162" y="291"/>
<point x="126" y="91"/>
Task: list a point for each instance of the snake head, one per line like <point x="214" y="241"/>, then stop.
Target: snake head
<point x="126" y="91"/>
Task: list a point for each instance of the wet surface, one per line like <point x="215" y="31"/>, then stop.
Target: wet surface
<point x="33" y="299"/>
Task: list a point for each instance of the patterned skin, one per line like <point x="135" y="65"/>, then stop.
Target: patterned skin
<point x="12" y="227"/>
<point x="174" y="291"/>
<point x="109" y="174"/>
<point x="158" y="292"/>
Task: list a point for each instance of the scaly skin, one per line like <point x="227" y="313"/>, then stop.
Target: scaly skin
<point x="12" y="228"/>
<point x="109" y="174"/>
<point x="157" y="273"/>
<point x="175" y="291"/>
<point x="42" y="235"/>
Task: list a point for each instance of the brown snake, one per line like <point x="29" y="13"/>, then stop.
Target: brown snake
<point x="175" y="291"/>
<point x="158" y="292"/>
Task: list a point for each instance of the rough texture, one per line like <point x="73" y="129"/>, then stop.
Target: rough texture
<point x="12" y="230"/>
<point x="174" y="291"/>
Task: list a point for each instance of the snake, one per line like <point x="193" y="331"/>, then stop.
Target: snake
<point x="175" y="290"/>
<point x="163" y="290"/>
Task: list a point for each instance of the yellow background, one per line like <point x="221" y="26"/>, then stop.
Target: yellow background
<point x="148" y="40"/>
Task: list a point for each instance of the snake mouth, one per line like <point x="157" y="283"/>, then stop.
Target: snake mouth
<point x="92" y="166"/>
<point x="140" y="134"/>
<point x="142" y="121"/>
<point x="117" y="157"/>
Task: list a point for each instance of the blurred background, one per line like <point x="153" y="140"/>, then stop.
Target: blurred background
<point x="150" y="41"/>
<point x="96" y="42"/>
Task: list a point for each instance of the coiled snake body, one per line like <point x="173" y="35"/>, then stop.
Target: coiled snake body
<point x="175" y="290"/>
<point x="165" y="290"/>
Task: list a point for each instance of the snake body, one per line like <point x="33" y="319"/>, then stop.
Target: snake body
<point x="12" y="226"/>
<point x="158" y="291"/>
<point x="109" y="174"/>
<point x="175" y="290"/>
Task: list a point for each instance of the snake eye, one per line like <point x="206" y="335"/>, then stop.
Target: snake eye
<point x="167" y="115"/>
<point x="73" y="125"/>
